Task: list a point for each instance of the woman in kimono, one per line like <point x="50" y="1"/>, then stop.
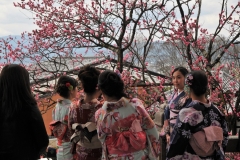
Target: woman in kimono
<point x="125" y="129"/>
<point x="179" y="99"/>
<point x="84" y="112"/>
<point x="199" y="114"/>
<point x="67" y="89"/>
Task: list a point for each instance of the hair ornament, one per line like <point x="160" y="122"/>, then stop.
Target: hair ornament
<point x="69" y="86"/>
<point x="97" y="88"/>
<point x="189" y="80"/>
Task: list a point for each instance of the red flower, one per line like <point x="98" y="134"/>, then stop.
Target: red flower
<point x="68" y="84"/>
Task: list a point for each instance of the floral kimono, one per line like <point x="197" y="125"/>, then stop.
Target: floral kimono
<point x="177" y="102"/>
<point x="192" y="119"/>
<point x="60" y="113"/>
<point x="126" y="131"/>
<point x="83" y="113"/>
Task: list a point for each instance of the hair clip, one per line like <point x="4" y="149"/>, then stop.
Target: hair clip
<point x="69" y="86"/>
<point x="189" y="80"/>
<point x="97" y="88"/>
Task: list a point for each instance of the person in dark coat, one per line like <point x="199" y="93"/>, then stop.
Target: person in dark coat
<point x="22" y="132"/>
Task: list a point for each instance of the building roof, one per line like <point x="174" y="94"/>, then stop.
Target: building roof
<point x="46" y="73"/>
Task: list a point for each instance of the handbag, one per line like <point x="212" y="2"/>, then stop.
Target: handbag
<point x="58" y="129"/>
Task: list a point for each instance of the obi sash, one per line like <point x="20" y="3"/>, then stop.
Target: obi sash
<point x="127" y="140"/>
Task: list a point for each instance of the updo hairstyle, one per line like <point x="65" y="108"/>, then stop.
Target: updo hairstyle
<point x="111" y="84"/>
<point x="198" y="82"/>
<point x="88" y="76"/>
<point x="65" y="85"/>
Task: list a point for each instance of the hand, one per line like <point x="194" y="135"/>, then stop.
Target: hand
<point x="167" y="138"/>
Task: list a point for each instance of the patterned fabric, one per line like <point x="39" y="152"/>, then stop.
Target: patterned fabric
<point x="176" y="104"/>
<point x="87" y="112"/>
<point x="126" y="131"/>
<point x="60" y="113"/>
<point x="192" y="119"/>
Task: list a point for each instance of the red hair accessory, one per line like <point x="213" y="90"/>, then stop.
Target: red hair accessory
<point x="69" y="86"/>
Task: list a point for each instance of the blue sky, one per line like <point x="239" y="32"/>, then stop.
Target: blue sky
<point x="14" y="21"/>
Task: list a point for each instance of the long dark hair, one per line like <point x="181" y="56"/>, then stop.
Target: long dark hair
<point x="15" y="91"/>
<point x="111" y="84"/>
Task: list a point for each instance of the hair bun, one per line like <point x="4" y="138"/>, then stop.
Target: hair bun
<point x="113" y="77"/>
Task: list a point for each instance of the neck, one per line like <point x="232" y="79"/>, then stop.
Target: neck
<point x="201" y="98"/>
<point x="180" y="90"/>
<point x="110" y="99"/>
<point x="90" y="97"/>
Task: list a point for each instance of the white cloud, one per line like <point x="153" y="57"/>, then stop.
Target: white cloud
<point x="14" y="20"/>
<point x="210" y="14"/>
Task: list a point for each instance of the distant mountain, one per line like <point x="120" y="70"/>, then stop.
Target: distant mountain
<point x="84" y="51"/>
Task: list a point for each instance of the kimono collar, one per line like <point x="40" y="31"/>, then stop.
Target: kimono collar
<point x="109" y="106"/>
<point x="205" y="104"/>
<point x="178" y="93"/>
<point x="92" y="104"/>
<point x="64" y="101"/>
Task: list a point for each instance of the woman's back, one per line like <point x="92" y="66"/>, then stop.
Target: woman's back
<point x="192" y="119"/>
<point x="83" y="113"/>
<point x="24" y="136"/>
<point x="22" y="131"/>
<point x="119" y="123"/>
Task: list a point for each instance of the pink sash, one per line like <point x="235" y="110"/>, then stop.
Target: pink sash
<point x="127" y="140"/>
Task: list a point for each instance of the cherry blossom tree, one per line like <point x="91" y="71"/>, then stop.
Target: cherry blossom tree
<point x="129" y="30"/>
<point x="205" y="50"/>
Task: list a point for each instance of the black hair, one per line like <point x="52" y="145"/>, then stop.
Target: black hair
<point x="181" y="69"/>
<point x="15" y="91"/>
<point x="63" y="88"/>
<point x="111" y="84"/>
<point x="88" y="75"/>
<point x="199" y="82"/>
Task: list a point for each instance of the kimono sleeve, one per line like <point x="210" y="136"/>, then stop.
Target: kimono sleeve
<point x="149" y="127"/>
<point x="72" y="116"/>
<point x="101" y="120"/>
<point x="53" y="113"/>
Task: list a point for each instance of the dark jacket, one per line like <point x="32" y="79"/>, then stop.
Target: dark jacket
<point x="23" y="137"/>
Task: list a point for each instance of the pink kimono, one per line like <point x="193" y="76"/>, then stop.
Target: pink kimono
<point x="126" y="131"/>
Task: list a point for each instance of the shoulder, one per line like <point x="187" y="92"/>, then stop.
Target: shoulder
<point x="136" y="102"/>
<point x="98" y="112"/>
<point x="139" y="106"/>
<point x="98" y="105"/>
<point x="216" y="110"/>
<point x="190" y="115"/>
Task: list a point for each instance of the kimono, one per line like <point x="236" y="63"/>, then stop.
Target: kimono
<point x="126" y="131"/>
<point x="192" y="119"/>
<point x="177" y="102"/>
<point x="83" y="113"/>
<point x="60" y="113"/>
